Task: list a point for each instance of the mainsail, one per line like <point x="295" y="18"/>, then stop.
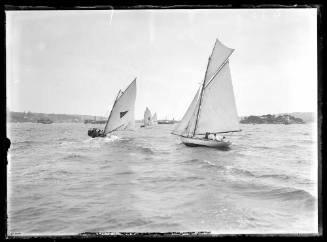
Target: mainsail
<point x="213" y="109"/>
<point x="122" y="112"/>
<point x="218" y="109"/>
<point x="147" y="117"/>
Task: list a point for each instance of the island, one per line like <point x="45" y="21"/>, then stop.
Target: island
<point x="271" y="119"/>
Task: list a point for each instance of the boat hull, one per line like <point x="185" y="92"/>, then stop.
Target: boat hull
<point x="193" y="142"/>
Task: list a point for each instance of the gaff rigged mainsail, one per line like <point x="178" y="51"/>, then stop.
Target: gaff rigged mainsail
<point x="122" y="113"/>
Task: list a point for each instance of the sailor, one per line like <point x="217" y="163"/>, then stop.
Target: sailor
<point x="206" y="135"/>
<point x="218" y="137"/>
<point x="211" y="136"/>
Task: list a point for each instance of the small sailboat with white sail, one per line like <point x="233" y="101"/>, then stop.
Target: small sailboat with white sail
<point x="154" y="119"/>
<point x="212" y="113"/>
<point x="121" y="116"/>
<point x="148" y="119"/>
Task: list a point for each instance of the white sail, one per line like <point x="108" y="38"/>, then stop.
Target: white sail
<point x="182" y="126"/>
<point x="189" y="131"/>
<point x="220" y="54"/>
<point x="154" y="119"/>
<point x="147" y="117"/>
<point x="218" y="110"/>
<point x="122" y="113"/>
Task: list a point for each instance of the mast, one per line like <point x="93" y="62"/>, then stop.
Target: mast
<point x="201" y="94"/>
<point x="203" y="86"/>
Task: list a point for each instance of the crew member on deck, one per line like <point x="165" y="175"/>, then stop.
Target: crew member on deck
<point x="211" y="136"/>
<point x="218" y="137"/>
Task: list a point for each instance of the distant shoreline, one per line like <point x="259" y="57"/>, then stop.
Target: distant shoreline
<point x="23" y="117"/>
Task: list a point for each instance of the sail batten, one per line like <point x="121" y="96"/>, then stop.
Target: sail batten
<point x="122" y="112"/>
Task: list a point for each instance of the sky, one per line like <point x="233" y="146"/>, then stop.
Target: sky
<point x="75" y="62"/>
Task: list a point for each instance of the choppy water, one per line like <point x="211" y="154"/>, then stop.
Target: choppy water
<point x="60" y="181"/>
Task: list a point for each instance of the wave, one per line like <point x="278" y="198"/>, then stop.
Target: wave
<point x="289" y="194"/>
<point x="191" y="161"/>
<point x="73" y="156"/>
<point x="24" y="142"/>
<point x="290" y="146"/>
<point x="263" y="147"/>
<point x="124" y="173"/>
<point x="144" y="150"/>
<point x="276" y="176"/>
<point x="268" y="192"/>
<point x="237" y="172"/>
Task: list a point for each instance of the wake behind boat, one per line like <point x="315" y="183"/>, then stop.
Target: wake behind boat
<point x="121" y="116"/>
<point x="213" y="110"/>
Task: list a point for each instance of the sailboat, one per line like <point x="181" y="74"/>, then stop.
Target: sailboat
<point x="147" y="118"/>
<point x="154" y="119"/>
<point x="121" y="116"/>
<point x="213" y="110"/>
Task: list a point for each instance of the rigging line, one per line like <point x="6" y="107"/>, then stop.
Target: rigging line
<point x="115" y="129"/>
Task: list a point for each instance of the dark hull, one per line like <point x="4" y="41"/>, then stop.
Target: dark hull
<point x="93" y="133"/>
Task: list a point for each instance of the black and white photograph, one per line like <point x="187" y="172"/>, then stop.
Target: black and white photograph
<point x="194" y="120"/>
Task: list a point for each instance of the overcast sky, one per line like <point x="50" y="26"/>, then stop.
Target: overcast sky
<point x="75" y="62"/>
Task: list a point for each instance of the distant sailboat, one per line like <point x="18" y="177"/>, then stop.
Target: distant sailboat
<point x="154" y="119"/>
<point x="147" y="117"/>
<point x="213" y="109"/>
<point x="121" y="116"/>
